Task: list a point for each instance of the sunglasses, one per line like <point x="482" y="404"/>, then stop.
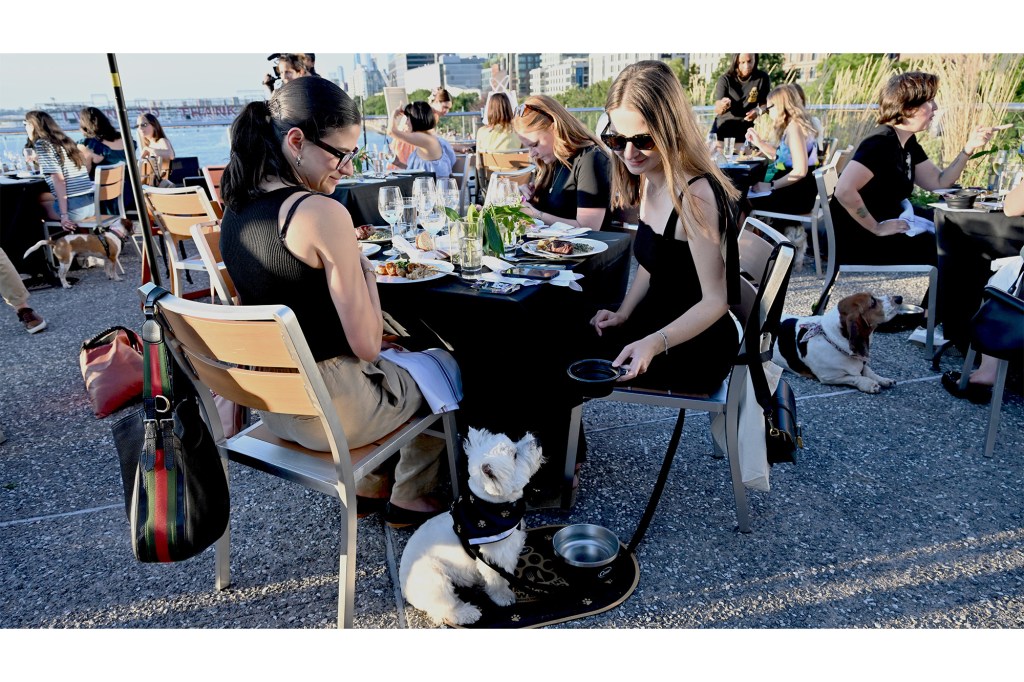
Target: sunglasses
<point x="343" y="157"/>
<point x="523" y="108"/>
<point x="617" y="143"/>
<point x="142" y="124"/>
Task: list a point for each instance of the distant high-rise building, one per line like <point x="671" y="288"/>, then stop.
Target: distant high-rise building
<point x="402" y="63"/>
<point x="556" y="78"/>
<point x="522" y="64"/>
<point x="461" y="72"/>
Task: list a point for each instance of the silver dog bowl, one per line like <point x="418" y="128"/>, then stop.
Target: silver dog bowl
<point x="586" y="550"/>
<point x="907" y="317"/>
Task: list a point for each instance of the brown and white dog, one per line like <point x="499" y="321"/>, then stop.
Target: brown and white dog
<point x="106" y="245"/>
<point x="834" y="347"/>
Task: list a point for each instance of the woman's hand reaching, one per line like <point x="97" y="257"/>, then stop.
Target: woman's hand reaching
<point x="639" y="355"/>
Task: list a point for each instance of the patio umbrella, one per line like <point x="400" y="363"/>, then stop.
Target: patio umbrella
<point x="133" y="172"/>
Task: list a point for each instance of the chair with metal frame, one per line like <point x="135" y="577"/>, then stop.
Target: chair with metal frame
<point x="766" y="258"/>
<point x="520" y="176"/>
<point x="207" y="240"/>
<point x="176" y="210"/>
<point x="488" y="163"/>
<point x="258" y="357"/>
<point x="827" y="180"/>
<point x="813" y="216"/>
<point x="108" y="185"/>
<point x="212" y="175"/>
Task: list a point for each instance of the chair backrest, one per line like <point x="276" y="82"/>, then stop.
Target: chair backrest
<point x="213" y="175"/>
<point x="207" y="239"/>
<point x="109" y="184"/>
<point x="763" y="277"/>
<point x="255" y="356"/>
<point x="183" y="167"/>
<point x="501" y="161"/>
<point x="177" y="209"/>
<point x="841" y="158"/>
<point x="462" y="171"/>
<point x="521" y="176"/>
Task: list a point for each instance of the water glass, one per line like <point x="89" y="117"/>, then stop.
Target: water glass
<point x="729" y="146"/>
<point x="468" y="247"/>
<point x="390" y="205"/>
<point x="407" y="223"/>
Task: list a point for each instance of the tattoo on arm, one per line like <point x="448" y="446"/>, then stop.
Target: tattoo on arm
<point x="862" y="212"/>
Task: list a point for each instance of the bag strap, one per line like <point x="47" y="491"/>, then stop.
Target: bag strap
<point x="157" y="391"/>
<point x="1014" y="288"/>
<point x="105" y="337"/>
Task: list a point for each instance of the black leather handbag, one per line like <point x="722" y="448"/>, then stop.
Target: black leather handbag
<point x="997" y="329"/>
<point x="782" y="433"/>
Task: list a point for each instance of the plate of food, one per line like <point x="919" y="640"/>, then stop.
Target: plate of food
<point x="403" y="271"/>
<point x="564" y="248"/>
<point x="369" y="249"/>
<point x="373" y="234"/>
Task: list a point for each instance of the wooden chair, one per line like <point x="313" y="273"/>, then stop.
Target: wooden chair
<point x="257" y="356"/>
<point x="212" y="175"/>
<point x="490" y="162"/>
<point x="827" y="180"/>
<point x="811" y="218"/>
<point x="464" y="171"/>
<point x="207" y="240"/>
<point x="108" y="185"/>
<point x="175" y="210"/>
<point x="520" y="176"/>
<point x="766" y="258"/>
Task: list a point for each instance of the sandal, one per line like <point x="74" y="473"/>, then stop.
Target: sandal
<point x="976" y="393"/>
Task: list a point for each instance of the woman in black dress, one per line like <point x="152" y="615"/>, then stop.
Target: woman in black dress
<point x="675" y="321"/>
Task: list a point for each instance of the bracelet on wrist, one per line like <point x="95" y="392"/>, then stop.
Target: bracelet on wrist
<point x="664" y="337"/>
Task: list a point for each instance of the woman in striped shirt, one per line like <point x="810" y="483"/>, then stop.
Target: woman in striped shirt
<point x="64" y="167"/>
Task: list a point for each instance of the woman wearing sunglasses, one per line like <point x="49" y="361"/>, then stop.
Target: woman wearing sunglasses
<point x="675" y="320"/>
<point x="792" y="185"/>
<point x="430" y="152"/>
<point x="284" y="242"/>
<point x="572" y="184"/>
<point x="156" y="150"/>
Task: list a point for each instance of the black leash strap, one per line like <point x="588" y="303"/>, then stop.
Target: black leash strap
<point x="659" y="486"/>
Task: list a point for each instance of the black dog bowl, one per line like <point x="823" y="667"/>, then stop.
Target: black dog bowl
<point x="586" y="552"/>
<point x="597" y="377"/>
<point x="908" y="317"/>
<point x="962" y="198"/>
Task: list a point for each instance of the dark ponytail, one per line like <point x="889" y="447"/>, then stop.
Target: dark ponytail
<point x="316" y="106"/>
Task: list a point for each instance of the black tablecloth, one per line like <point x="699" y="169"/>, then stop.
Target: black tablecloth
<point x="361" y="199"/>
<point x="20" y="219"/>
<point x="513" y="350"/>
<point x="745" y="175"/>
<point x="968" y="242"/>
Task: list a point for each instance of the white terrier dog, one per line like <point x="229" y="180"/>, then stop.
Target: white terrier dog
<point x="487" y="516"/>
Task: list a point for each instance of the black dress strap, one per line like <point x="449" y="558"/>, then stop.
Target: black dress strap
<point x="727" y="228"/>
<point x="291" y="212"/>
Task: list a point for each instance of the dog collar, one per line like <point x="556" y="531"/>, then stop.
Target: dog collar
<point x="480" y="522"/>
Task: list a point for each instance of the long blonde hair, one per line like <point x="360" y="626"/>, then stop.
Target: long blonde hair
<point x="652" y="90"/>
<point x="540" y="112"/>
<point x="791" y="110"/>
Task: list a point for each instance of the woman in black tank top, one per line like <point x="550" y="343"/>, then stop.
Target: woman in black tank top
<point x="673" y="330"/>
<point x="284" y="242"/>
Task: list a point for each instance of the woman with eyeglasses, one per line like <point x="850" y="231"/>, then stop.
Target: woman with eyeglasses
<point x="65" y="170"/>
<point x="674" y="328"/>
<point x="285" y="241"/>
<point x="573" y="182"/>
<point x="795" y="153"/>
<point x="155" y="149"/>
<point x="431" y="152"/>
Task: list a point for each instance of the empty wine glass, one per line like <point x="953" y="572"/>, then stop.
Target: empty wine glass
<point x="433" y="220"/>
<point x="389" y="203"/>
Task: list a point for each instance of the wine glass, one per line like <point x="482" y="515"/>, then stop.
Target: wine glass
<point x="433" y="220"/>
<point x="423" y="187"/>
<point x="448" y="191"/>
<point x="389" y="203"/>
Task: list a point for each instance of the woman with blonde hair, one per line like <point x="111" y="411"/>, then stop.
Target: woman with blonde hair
<point x="675" y="318"/>
<point x="64" y="168"/>
<point x="498" y="135"/>
<point x="572" y="184"/>
<point x="792" y="185"/>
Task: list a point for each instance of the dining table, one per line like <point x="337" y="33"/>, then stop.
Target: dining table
<point x="744" y="174"/>
<point x="359" y="195"/>
<point x="968" y="240"/>
<point x="21" y="217"/>
<point x="514" y="349"/>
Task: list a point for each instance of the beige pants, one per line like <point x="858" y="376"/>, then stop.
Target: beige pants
<point x="11" y="287"/>
<point x="372" y="399"/>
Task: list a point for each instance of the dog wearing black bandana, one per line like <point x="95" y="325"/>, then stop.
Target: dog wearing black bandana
<point x="488" y="517"/>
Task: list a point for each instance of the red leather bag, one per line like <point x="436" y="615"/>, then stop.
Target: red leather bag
<point x="111" y="364"/>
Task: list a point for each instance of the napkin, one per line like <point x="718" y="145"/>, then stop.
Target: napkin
<point x="414" y="254"/>
<point x="436" y="374"/>
<point x="918" y="225"/>
<point x="565" y="278"/>
<point x="557" y="229"/>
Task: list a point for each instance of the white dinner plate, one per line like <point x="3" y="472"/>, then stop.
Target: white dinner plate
<point x="441" y="266"/>
<point x="348" y="182"/>
<point x="596" y="246"/>
<point x="371" y="181"/>
<point x="407" y="171"/>
<point x="369" y="249"/>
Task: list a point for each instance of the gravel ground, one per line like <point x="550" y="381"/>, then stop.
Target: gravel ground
<point x="891" y="518"/>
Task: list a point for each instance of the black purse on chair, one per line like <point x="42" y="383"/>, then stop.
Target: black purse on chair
<point x="997" y="329"/>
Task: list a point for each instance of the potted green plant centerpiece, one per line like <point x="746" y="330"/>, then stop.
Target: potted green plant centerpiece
<point x="508" y="221"/>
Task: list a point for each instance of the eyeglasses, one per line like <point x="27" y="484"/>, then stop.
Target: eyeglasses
<point x="523" y="108"/>
<point x="343" y="157"/>
<point x="617" y="143"/>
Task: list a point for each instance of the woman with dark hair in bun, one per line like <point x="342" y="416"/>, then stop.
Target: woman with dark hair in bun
<point x="284" y="242"/>
<point x="431" y="153"/>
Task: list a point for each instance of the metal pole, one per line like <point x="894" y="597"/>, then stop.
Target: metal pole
<point x="133" y="172"/>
